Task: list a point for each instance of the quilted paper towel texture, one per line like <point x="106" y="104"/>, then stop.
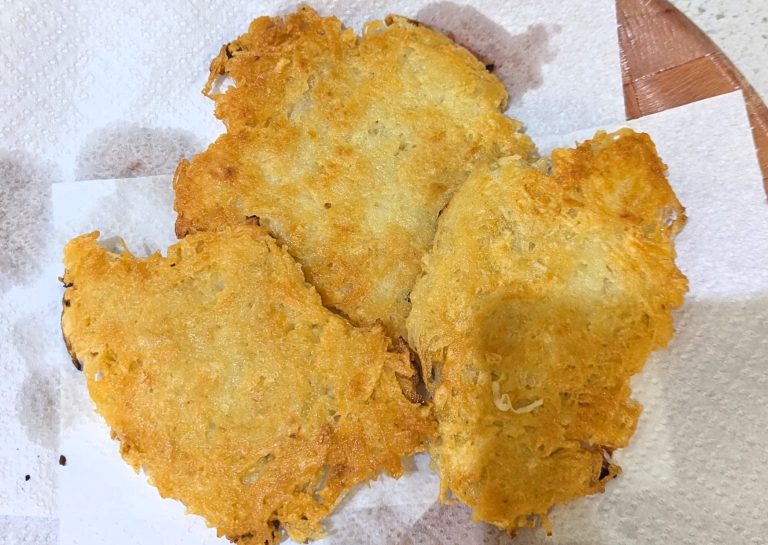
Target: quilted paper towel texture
<point x="693" y="472"/>
<point x="108" y="89"/>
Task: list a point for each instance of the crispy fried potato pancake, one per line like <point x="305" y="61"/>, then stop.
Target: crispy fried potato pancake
<point x="542" y="296"/>
<point x="347" y="148"/>
<point x="229" y="383"/>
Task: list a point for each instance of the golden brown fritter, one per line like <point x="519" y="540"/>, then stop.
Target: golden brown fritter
<point x="229" y="383"/>
<point x="543" y="294"/>
<point x="347" y="148"/>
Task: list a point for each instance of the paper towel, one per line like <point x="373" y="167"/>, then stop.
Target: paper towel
<point x="107" y="89"/>
<point x="694" y="472"/>
<point x="111" y="90"/>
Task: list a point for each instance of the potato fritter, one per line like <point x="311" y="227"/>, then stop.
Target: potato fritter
<point x="543" y="294"/>
<point x="227" y="381"/>
<point x="347" y="148"/>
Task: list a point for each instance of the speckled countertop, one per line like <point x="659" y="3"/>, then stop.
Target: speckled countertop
<point x="740" y="28"/>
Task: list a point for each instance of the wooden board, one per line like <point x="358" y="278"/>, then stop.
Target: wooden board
<point x="667" y="61"/>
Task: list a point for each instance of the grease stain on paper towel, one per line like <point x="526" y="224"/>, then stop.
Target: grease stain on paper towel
<point x="37" y="408"/>
<point x="380" y="524"/>
<point x="37" y="400"/>
<point x="443" y="524"/>
<point x="517" y="59"/>
<point x="25" y="212"/>
<point x="129" y="151"/>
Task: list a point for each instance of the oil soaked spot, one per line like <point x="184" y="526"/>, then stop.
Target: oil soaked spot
<point x="37" y="407"/>
<point x="38" y="399"/>
<point x="515" y="59"/>
<point x="28" y="340"/>
<point x="453" y="525"/>
<point x="380" y="524"/>
<point x="128" y="151"/>
<point x="25" y="215"/>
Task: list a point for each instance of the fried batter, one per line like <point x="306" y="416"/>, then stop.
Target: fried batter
<point x="347" y="148"/>
<point x="543" y="294"/>
<point x="227" y="381"/>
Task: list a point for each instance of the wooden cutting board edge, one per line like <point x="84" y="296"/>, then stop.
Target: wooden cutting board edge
<point x="667" y="61"/>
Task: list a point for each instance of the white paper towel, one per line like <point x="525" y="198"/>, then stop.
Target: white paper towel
<point x="112" y="90"/>
<point x="695" y="471"/>
<point x="107" y="89"/>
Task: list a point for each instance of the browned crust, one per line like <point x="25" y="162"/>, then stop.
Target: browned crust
<point x="357" y="209"/>
<point x="65" y="304"/>
<point x="412" y="385"/>
<point x="183" y="226"/>
<point x="358" y="422"/>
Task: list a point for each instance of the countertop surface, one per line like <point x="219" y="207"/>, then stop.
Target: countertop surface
<point x="740" y="28"/>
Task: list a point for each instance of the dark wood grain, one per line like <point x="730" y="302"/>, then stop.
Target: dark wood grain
<point x="667" y="61"/>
